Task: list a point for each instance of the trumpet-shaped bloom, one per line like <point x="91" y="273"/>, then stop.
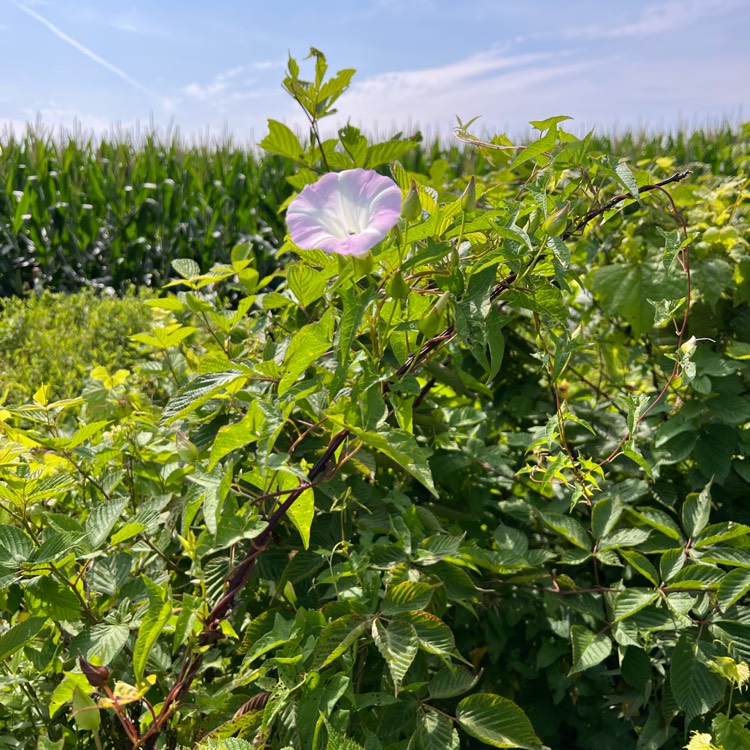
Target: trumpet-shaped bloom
<point x="346" y="212"/>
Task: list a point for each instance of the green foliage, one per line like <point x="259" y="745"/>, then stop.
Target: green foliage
<point x="58" y="340"/>
<point x="110" y="214"/>
<point x="311" y="519"/>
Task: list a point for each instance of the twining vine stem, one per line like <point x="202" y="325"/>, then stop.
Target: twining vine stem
<point x="241" y="574"/>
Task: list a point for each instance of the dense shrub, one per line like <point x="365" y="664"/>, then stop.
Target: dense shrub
<point x="58" y="339"/>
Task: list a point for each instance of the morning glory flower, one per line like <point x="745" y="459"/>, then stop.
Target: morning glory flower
<point x="344" y="212"/>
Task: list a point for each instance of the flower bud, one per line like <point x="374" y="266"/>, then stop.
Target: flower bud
<point x="411" y="206"/>
<point x="689" y="346"/>
<point x="97" y="676"/>
<point x="397" y="287"/>
<point x="431" y="323"/>
<point x="186" y="450"/>
<point x="363" y="264"/>
<point x="554" y="225"/>
<point x="469" y="196"/>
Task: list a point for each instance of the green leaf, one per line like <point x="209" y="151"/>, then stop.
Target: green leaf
<point x="20" y="635"/>
<point x="407" y="596"/>
<point x="186" y="267"/>
<point x="496" y="721"/>
<point x="433" y="634"/>
<point x="537" y="148"/>
<point x="450" y="681"/>
<point x="282" y="141"/>
<point x="16" y="546"/>
<point x="435" y="731"/>
<point x="398" y="645"/>
<point x="695" y="687"/>
<point x="636" y="667"/>
<point x="733" y="586"/>
<point x="624" y="289"/>
<point x="305" y="348"/>
<point x="631" y="601"/>
<point x="157" y="616"/>
<point x="642" y="564"/>
<point x="671" y="563"/>
<point x="102" y="519"/>
<point x="48" y="597"/>
<point x="720" y="532"/>
<point x="628" y="180"/>
<point x="198" y="391"/>
<point x="589" y="649"/>
<point x="696" y="510"/>
<point x="385" y="153"/>
<point x="306" y="284"/>
<point x="355" y="305"/>
<point x="85" y="711"/>
<point x="228" y="743"/>
<point x="104" y="641"/>
<point x="731" y="734"/>
<point x="231" y="437"/>
<point x="336" y="638"/>
<point x="604" y="516"/>
<point x="569" y="528"/>
<point x="402" y="448"/>
<point x="301" y="514"/>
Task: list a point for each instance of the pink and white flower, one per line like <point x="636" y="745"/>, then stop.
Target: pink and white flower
<point x="344" y="212"/>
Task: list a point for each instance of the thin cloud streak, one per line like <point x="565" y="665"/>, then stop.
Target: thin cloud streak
<point x="88" y="52"/>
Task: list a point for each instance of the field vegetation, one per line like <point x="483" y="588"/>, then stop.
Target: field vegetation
<point x="483" y="486"/>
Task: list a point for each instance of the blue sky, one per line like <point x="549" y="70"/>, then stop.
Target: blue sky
<point x="217" y="65"/>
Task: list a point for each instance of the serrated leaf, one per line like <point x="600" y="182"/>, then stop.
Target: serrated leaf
<point x="104" y="641"/>
<point x="604" y="516"/>
<point x="633" y="600"/>
<point x="157" y="616"/>
<point x="696" y="511"/>
<point x="589" y="649"/>
<point x="305" y="348"/>
<point x="569" y="528"/>
<point x="402" y="448"/>
<point x="433" y="634"/>
<point x="186" y="267"/>
<point x="695" y="687"/>
<point x="48" y="597"/>
<point x="281" y="140"/>
<point x="733" y="586"/>
<point x="642" y="564"/>
<point x="198" y="391"/>
<point x="16" y="546"/>
<point x="102" y="519"/>
<point x="496" y="721"/>
<point x="435" y="732"/>
<point x="398" y="645"/>
<point x="450" y="681"/>
<point x="336" y="638"/>
<point x="636" y="667"/>
<point x="407" y="596"/>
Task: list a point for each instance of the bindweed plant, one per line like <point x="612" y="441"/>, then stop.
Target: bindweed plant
<point x="461" y="472"/>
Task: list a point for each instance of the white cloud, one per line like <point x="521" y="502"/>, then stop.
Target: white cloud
<point x="219" y="85"/>
<point x="667" y="17"/>
<point x="497" y="86"/>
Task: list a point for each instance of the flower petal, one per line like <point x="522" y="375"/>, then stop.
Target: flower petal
<point x="347" y="212"/>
